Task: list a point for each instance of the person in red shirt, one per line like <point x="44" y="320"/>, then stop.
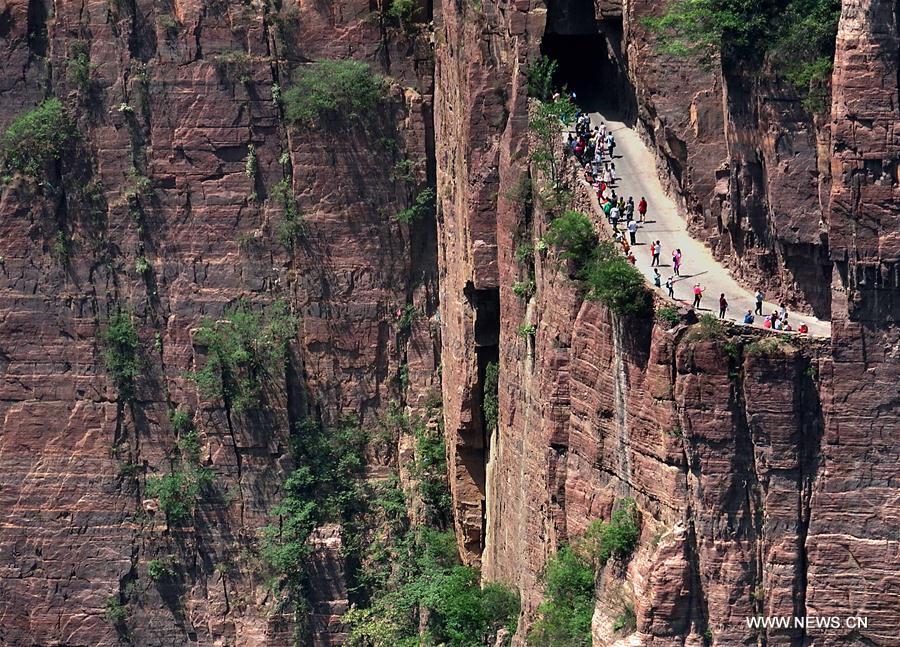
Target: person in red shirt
<point x="642" y="208"/>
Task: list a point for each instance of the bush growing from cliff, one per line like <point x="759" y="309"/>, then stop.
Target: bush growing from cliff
<point x="428" y="581"/>
<point x="573" y="234"/>
<point x="422" y="205"/>
<point x="565" y="615"/>
<point x="331" y="89"/>
<point x="79" y="67"/>
<point x="569" y="579"/>
<point x="798" y="36"/>
<point x="179" y="492"/>
<point x="612" y="280"/>
<point x="491" y="404"/>
<point x="36" y="139"/>
<point x="539" y="74"/>
<point x="615" y="539"/>
<point x="122" y="353"/>
<point x="325" y="486"/>
<point x="245" y="351"/>
<point x="430" y="472"/>
<point x="406" y="12"/>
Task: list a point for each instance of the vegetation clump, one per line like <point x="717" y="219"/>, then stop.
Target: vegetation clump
<point x="539" y="75"/>
<point x="37" y="138"/>
<point x="491" y="404"/>
<point x="421" y="207"/>
<point x="330" y="89"/>
<point x="607" y="276"/>
<point x="178" y="492"/>
<point x="325" y="486"/>
<point x="79" y="67"/>
<point x="569" y="579"/>
<point x="122" y="355"/>
<point x="668" y="315"/>
<point x="406" y="12"/>
<point x="245" y="349"/>
<point x="709" y="328"/>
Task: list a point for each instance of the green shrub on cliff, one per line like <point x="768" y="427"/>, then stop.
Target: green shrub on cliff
<point x="569" y="579"/>
<point x="35" y="139"/>
<point x="615" y="539"/>
<point x="539" y="74"/>
<point x="427" y="581"/>
<point x="573" y="234"/>
<point x="422" y="205"/>
<point x="615" y="282"/>
<point x="245" y="351"/>
<point x="325" y="486"/>
<point x="565" y="615"/>
<point x="122" y="353"/>
<point x="331" y="89"/>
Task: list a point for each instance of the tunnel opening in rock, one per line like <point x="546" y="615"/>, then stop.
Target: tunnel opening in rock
<point x="590" y="60"/>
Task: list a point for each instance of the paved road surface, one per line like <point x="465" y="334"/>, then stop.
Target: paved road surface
<point x="636" y="169"/>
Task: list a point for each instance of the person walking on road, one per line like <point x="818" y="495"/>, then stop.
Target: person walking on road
<point x="723" y="306"/>
<point x="632" y="231"/>
<point x="759" y="302"/>
<point x="629" y="208"/>
<point x="670" y="287"/>
<point x="698" y="294"/>
<point x="656" y="277"/>
<point x="642" y="208"/>
<point x="676" y="262"/>
<point x="655" y="250"/>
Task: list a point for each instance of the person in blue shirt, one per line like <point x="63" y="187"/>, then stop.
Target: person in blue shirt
<point x="748" y="318"/>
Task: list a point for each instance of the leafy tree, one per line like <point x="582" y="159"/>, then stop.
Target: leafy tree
<point x="244" y="350"/>
<point x="547" y="118"/>
<point x="332" y="88"/>
<point x="540" y="77"/>
<point x="573" y="233"/>
<point x="614" y="281"/>
<point x="35" y="139"/>
<point x="565" y="615"/>
<point x="122" y="356"/>
<point x="325" y="486"/>
<point x="569" y="579"/>
<point x="421" y="207"/>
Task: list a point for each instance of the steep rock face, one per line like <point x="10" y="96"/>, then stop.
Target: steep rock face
<point x="179" y="93"/>
<point x="852" y="535"/>
<point x="733" y="451"/>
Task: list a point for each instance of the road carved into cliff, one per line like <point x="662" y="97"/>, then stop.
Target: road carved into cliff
<point x="636" y="169"/>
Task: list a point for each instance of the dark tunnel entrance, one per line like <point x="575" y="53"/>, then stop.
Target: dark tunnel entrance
<point x="589" y="58"/>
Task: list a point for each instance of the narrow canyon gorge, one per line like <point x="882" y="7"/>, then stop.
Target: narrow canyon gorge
<point x="265" y="353"/>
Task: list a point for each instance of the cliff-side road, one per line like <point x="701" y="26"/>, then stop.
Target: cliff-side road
<point x="636" y="170"/>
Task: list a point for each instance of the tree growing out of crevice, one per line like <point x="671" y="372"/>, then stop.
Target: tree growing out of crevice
<point x="332" y="89"/>
<point x="564" y="618"/>
<point x="245" y="351"/>
<point x="796" y="36"/>
<point x="122" y="353"/>
<point x="546" y="122"/>
<point x="179" y="491"/>
<point x="36" y="139"/>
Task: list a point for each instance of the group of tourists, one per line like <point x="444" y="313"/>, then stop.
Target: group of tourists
<point x="594" y="148"/>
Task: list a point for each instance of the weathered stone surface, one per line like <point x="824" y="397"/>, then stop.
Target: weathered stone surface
<point x="74" y="527"/>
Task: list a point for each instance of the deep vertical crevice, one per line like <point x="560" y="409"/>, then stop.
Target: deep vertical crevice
<point x="37" y="28"/>
<point x="476" y="441"/>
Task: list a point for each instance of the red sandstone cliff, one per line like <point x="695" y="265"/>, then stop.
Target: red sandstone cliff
<point x="765" y="481"/>
<point x="748" y="468"/>
<point x="73" y="461"/>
